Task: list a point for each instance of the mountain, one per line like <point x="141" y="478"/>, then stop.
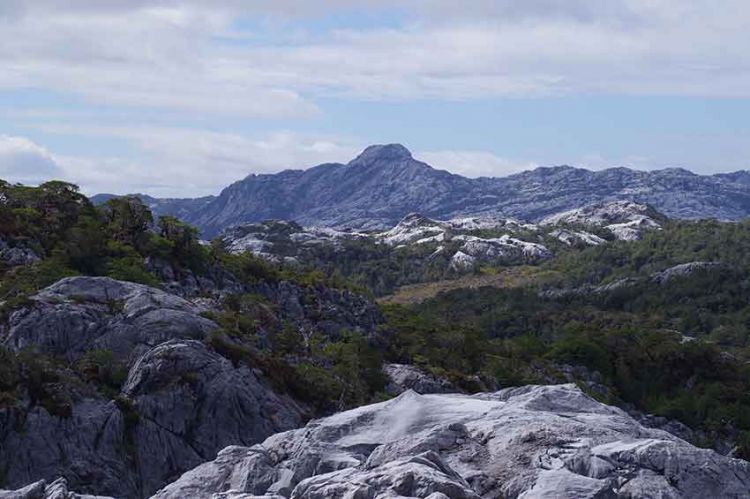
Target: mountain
<point x="385" y="183"/>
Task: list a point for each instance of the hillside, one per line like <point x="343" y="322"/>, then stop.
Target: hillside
<point x="132" y="353"/>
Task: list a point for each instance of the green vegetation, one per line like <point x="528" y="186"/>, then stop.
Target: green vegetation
<point x="73" y="237"/>
<point x="677" y="347"/>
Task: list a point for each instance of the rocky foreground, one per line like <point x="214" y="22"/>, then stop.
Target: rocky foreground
<point x="529" y="442"/>
<point x="182" y="402"/>
<point x="534" y="441"/>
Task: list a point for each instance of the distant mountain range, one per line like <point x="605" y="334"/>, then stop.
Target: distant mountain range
<point x="384" y="183"/>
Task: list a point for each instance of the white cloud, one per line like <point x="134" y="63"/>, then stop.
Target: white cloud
<point x="595" y="161"/>
<point x="23" y="161"/>
<point x="473" y="163"/>
<point x="201" y="60"/>
<point x="175" y="55"/>
<point x="174" y="162"/>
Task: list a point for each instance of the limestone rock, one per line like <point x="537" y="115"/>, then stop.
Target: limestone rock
<point x="530" y="442"/>
<point x="78" y="314"/>
<point x="405" y="377"/>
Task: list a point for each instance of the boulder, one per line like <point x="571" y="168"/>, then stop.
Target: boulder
<point x="403" y="377"/>
<point x="41" y="490"/>
<point x="528" y="442"/>
<point x="15" y="256"/>
<point x="79" y="314"/>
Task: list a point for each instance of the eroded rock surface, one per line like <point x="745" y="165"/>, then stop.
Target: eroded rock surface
<point x="182" y="402"/>
<point x="78" y="314"/>
<point x="42" y="490"/>
<point x="14" y="256"/>
<point x="180" y="405"/>
<point x="529" y="442"/>
<point x="403" y="377"/>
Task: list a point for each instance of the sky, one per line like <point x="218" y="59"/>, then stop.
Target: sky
<point x="181" y="98"/>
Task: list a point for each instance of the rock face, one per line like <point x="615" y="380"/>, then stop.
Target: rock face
<point x="404" y="377"/>
<point x="14" y="256"/>
<point x="685" y="269"/>
<point x="78" y="314"/>
<point x="279" y="240"/>
<point x="384" y="183"/>
<point x="191" y="402"/>
<point x="625" y="220"/>
<point x="529" y="442"/>
<point x="182" y="402"/>
<point x="42" y="490"/>
<point x="180" y="405"/>
<point x="638" y="284"/>
<point x="577" y="237"/>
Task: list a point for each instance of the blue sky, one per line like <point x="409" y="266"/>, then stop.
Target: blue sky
<point x="180" y="98"/>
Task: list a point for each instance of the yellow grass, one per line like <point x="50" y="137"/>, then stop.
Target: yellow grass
<point x="498" y="277"/>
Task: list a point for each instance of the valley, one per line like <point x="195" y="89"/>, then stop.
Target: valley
<point x="149" y="362"/>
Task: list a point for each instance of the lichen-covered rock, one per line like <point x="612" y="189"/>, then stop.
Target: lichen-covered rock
<point x="41" y="490"/>
<point x="529" y="442"/>
<point x="78" y="314"/>
<point x="685" y="269"/>
<point x="15" y="256"/>
<point x="191" y="403"/>
<point x="403" y="377"/>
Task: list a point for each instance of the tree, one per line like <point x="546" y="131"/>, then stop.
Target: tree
<point x="128" y="220"/>
<point x="186" y="248"/>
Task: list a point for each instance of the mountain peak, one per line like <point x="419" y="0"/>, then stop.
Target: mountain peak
<point x="381" y="152"/>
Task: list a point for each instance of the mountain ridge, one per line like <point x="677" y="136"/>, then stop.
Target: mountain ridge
<point x="385" y="182"/>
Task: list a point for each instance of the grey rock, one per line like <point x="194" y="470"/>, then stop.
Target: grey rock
<point x="505" y="249"/>
<point x="403" y="377"/>
<point x="89" y="447"/>
<point x="15" y="256"/>
<point x="683" y="269"/>
<point x="31" y="491"/>
<point x="191" y="403"/>
<point x="59" y="490"/>
<point x="280" y="241"/>
<point x="424" y="475"/>
<point x="183" y="403"/>
<point x="326" y="310"/>
<point x="528" y="442"/>
<point x="79" y="314"/>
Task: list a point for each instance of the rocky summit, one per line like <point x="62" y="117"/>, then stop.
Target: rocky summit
<point x="528" y="442"/>
<point x="385" y="183"/>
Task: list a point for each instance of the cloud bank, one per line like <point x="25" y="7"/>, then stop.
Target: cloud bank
<point x="201" y="62"/>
